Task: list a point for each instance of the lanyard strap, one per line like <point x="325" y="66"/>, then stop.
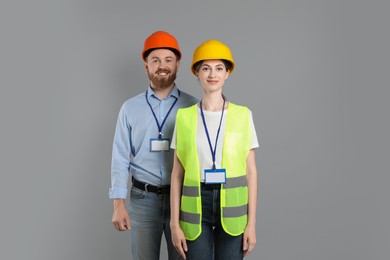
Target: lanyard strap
<point x="213" y="151"/>
<point x="160" y="127"/>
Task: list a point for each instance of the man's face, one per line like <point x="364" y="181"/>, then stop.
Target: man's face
<point x="161" y="66"/>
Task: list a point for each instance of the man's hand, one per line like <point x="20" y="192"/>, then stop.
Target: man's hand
<point x="120" y="217"/>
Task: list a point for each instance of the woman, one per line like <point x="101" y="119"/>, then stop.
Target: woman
<point x="214" y="176"/>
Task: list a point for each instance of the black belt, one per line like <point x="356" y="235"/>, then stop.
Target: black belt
<point x="163" y="190"/>
<point x="215" y="186"/>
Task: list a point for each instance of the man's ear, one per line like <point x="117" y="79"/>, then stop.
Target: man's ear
<point x="146" y="67"/>
<point x="177" y="65"/>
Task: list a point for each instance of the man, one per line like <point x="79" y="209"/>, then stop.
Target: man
<point x="142" y="147"/>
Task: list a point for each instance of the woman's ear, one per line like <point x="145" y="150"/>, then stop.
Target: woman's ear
<point x="227" y="75"/>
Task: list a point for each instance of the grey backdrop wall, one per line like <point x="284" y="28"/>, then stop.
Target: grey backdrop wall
<point x="314" y="73"/>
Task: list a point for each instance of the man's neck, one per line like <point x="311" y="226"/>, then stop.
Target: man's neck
<point x="162" y="93"/>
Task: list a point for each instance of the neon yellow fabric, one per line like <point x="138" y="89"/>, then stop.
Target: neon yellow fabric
<point x="234" y="193"/>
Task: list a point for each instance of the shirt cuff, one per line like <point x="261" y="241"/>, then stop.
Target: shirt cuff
<point x="117" y="193"/>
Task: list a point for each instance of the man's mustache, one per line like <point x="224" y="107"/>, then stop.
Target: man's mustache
<point x="163" y="71"/>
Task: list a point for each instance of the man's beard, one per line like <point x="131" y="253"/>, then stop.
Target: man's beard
<point x="162" y="82"/>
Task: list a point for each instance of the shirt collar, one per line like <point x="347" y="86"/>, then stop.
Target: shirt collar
<point x="174" y="93"/>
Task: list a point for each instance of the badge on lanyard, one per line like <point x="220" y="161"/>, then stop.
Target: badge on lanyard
<point x="213" y="175"/>
<point x="159" y="144"/>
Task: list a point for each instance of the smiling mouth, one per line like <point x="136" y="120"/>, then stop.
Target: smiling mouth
<point x="162" y="72"/>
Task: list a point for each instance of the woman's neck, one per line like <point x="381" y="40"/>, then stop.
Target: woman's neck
<point x="213" y="102"/>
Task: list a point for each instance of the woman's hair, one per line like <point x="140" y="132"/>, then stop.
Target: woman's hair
<point x="228" y="65"/>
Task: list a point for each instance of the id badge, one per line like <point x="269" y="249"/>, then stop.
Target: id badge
<point x="158" y="145"/>
<point x="214" y="176"/>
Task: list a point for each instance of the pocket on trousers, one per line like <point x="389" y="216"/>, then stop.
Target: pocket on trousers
<point x="136" y="193"/>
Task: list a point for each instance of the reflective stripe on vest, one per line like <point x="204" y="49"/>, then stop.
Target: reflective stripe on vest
<point x="234" y="193"/>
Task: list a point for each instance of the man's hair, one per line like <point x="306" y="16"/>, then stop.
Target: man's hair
<point x="146" y="54"/>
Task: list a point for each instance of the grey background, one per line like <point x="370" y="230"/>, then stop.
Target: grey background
<point x="314" y="73"/>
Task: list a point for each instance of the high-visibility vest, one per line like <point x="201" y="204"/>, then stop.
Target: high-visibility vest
<point x="234" y="193"/>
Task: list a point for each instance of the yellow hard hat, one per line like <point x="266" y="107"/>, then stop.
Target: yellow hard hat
<point x="212" y="50"/>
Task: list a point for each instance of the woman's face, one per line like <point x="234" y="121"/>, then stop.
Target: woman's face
<point x="212" y="75"/>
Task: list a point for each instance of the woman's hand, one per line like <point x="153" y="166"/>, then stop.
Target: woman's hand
<point x="179" y="240"/>
<point x="249" y="239"/>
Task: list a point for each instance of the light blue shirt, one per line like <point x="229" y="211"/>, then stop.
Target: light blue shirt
<point x="135" y="127"/>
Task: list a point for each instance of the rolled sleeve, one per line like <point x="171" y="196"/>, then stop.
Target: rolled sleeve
<point x="117" y="193"/>
<point x="120" y="158"/>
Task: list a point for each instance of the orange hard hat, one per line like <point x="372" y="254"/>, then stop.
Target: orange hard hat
<point x="161" y="40"/>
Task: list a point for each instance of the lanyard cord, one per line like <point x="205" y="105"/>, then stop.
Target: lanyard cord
<point x="160" y="127"/>
<point x="213" y="151"/>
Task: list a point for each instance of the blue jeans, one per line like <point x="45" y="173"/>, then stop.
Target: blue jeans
<point x="214" y="242"/>
<point x="149" y="217"/>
